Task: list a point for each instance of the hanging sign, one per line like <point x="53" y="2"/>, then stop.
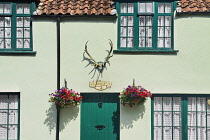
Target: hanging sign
<point x="100" y="85"/>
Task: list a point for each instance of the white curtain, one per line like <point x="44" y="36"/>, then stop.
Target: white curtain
<point x="9" y="117"/>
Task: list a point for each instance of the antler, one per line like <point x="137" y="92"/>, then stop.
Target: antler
<point x="108" y="56"/>
<point x="91" y="58"/>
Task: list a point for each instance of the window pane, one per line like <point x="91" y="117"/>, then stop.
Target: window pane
<point x="177" y="103"/>
<point x="19" y="8"/>
<point x="19" y="21"/>
<point x="167" y="134"/>
<point x="167" y="103"/>
<point x="1" y="21"/>
<point x="1" y="43"/>
<point x="7" y="22"/>
<point x="8" y="32"/>
<point x="7" y="8"/>
<point x="208" y="133"/>
<point x="160" y="31"/>
<point x="3" y="102"/>
<point x="130" y="42"/>
<point x="158" y="103"/>
<point x="158" y="133"/>
<point x="26" y="32"/>
<point x="13" y="117"/>
<point x="13" y="104"/>
<point x="160" y="7"/>
<point x="122" y="42"/>
<point x="148" y="31"/>
<point x="130" y="7"/>
<point x="168" y="8"/>
<point x="160" y="42"/>
<point x="26" y="43"/>
<point x="160" y="20"/>
<point x="130" y="31"/>
<point x="26" y="8"/>
<point x="1" y="8"/>
<point x="201" y="118"/>
<point x="3" y="130"/>
<point x="148" y="42"/>
<point x="191" y="119"/>
<point x="167" y="31"/>
<point x="149" y="7"/>
<point x="8" y="43"/>
<point x="208" y="118"/>
<point x="167" y="42"/>
<point x="19" y="32"/>
<point x="167" y="20"/>
<point x="123" y="8"/>
<point x="158" y="119"/>
<point x="177" y="133"/>
<point x="142" y="31"/>
<point x="123" y="21"/>
<point x="167" y="119"/>
<point x="3" y="116"/>
<point x="130" y="20"/>
<point x="123" y="31"/>
<point x="201" y="104"/>
<point x="26" y="21"/>
<point x="142" y="42"/>
<point x="177" y="118"/>
<point x="191" y="133"/>
<point x="191" y="103"/>
<point x="142" y="20"/>
<point x="149" y="20"/>
<point x="142" y="7"/>
<point x="19" y="43"/>
<point x="1" y="32"/>
<point x="13" y="132"/>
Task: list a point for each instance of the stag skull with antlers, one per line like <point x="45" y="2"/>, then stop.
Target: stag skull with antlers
<point x="100" y="65"/>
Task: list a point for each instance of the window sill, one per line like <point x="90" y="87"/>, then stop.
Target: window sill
<point x="18" y="52"/>
<point x="174" y="52"/>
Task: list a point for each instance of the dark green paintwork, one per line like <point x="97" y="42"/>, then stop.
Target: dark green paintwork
<point x="92" y="115"/>
<point x="154" y="25"/>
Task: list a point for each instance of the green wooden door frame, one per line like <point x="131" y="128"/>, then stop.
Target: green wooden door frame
<point x="92" y="115"/>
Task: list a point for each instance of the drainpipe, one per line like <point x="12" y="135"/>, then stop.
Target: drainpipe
<point x="58" y="75"/>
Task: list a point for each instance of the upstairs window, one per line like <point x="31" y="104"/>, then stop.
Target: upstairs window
<point x="15" y="26"/>
<point x="145" y="25"/>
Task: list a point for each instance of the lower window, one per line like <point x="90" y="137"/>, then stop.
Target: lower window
<point x="9" y="116"/>
<point x="181" y="117"/>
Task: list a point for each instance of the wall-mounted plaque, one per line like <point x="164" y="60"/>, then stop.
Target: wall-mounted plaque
<point x="100" y="85"/>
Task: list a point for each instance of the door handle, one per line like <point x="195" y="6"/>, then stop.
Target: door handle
<point x="100" y="127"/>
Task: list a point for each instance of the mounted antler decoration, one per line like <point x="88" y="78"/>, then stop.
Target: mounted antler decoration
<point x="99" y="65"/>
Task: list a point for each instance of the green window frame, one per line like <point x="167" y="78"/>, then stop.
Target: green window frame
<point x="180" y="117"/>
<point x="16" y="26"/>
<point x="9" y="116"/>
<point x="145" y="25"/>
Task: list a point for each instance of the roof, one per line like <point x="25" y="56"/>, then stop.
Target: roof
<point x="105" y="7"/>
<point x="74" y="7"/>
<point x="191" y="6"/>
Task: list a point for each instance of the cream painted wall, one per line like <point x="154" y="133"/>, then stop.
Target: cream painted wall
<point x="35" y="76"/>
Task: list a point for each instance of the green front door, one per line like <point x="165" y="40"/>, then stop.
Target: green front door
<point x="100" y="116"/>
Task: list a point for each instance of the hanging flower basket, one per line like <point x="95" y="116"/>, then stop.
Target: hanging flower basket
<point x="65" y="97"/>
<point x="133" y="95"/>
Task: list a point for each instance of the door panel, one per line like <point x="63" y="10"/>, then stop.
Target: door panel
<point x="100" y="117"/>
